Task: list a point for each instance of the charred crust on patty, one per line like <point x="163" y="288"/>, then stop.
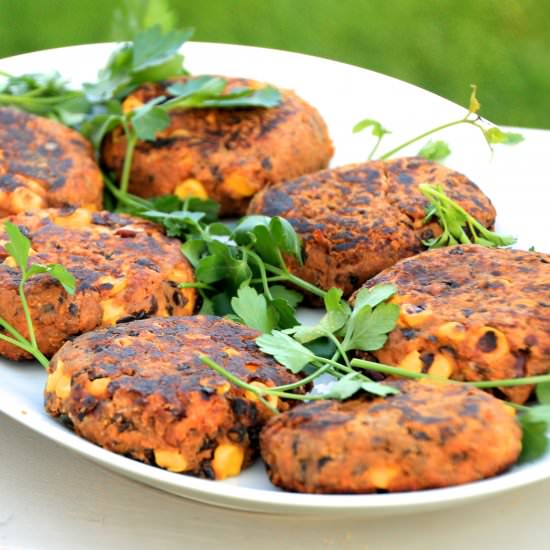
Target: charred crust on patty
<point x="117" y="279"/>
<point x="430" y="435"/>
<point x="225" y="154"/>
<point x="359" y="219"/>
<point x="475" y="311"/>
<point x="131" y="394"/>
<point x="45" y="164"/>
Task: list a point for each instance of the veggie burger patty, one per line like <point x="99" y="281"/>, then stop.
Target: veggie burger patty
<point x="125" y="269"/>
<point x="472" y="313"/>
<point x="44" y="164"/>
<point x="359" y="219"/>
<point x="430" y="435"/>
<point x="225" y="154"/>
<point x="140" y="389"/>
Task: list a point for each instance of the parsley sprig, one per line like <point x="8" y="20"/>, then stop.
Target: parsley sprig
<point x="439" y="150"/>
<point x="458" y="227"/>
<point x="19" y="247"/>
<point x="145" y="121"/>
<point x="363" y="327"/>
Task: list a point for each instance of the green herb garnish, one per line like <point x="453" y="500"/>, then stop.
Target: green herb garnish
<point x="440" y="150"/>
<point x="44" y="94"/>
<point x="18" y="246"/>
<point x="458" y="226"/>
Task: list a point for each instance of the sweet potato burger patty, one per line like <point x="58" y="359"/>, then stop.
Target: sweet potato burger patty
<point x="44" y="164"/>
<point x="472" y="313"/>
<point x="225" y="154"/>
<point x="140" y="389"/>
<point x="359" y="219"/>
<point x="125" y="269"/>
<point x="429" y="436"/>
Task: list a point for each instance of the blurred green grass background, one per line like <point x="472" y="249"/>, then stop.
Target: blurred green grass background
<point x="442" y="45"/>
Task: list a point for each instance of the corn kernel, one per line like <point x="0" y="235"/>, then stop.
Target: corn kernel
<point x="10" y="261"/>
<point x="131" y="103"/>
<point x="117" y="284"/>
<point x="453" y="331"/>
<point x="112" y="311"/>
<point x="509" y="410"/>
<point x="381" y="476"/>
<point x="23" y="199"/>
<point x="442" y="366"/>
<point x="228" y="460"/>
<point x="170" y="460"/>
<point x="224" y="388"/>
<point x="412" y="362"/>
<point x="79" y="218"/>
<point x="273" y="400"/>
<point x="98" y="387"/>
<point x="53" y="377"/>
<point x="414" y="316"/>
<point x="238" y="186"/>
<point x="63" y="386"/>
<point x="190" y="188"/>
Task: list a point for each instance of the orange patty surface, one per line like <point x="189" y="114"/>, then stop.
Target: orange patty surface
<point x="45" y="164"/>
<point x="428" y="436"/>
<point x="227" y="155"/>
<point x="472" y="313"/>
<point x="140" y="389"/>
<point x="125" y="269"/>
<point x="359" y="219"/>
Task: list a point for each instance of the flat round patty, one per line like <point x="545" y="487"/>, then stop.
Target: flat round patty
<point x="141" y="390"/>
<point x="45" y="164"/>
<point x="225" y="154"/>
<point x="125" y="269"/>
<point x="472" y="313"/>
<point x="359" y="219"/>
<point x="428" y="436"/>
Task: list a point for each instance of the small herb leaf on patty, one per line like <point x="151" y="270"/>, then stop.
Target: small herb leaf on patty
<point x="458" y="227"/>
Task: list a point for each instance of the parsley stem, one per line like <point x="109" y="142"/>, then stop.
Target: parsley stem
<point x="26" y="346"/>
<point x="26" y="310"/>
<point x="263" y="275"/>
<point x="8" y="99"/>
<point x="392" y="152"/>
<point x="15" y="333"/>
<point x="273" y="279"/>
<point x="315" y="374"/>
<point x="125" y="198"/>
<point x="505" y="382"/>
<point x="131" y="140"/>
<point x="296" y="280"/>
<point x="375" y="148"/>
<point x="236" y="381"/>
<point x="341" y="351"/>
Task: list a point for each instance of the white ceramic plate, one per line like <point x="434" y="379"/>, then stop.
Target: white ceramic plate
<point x="343" y="94"/>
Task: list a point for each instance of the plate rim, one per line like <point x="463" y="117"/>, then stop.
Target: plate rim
<point x="274" y="501"/>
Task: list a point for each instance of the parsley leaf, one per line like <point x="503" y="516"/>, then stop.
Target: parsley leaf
<point x="152" y="47"/>
<point x="286" y="350"/>
<point x="458" y="227"/>
<point x="18" y="246"/>
<point x="336" y="316"/>
<point x="435" y="150"/>
<point x="149" y="119"/>
<point x="373" y="296"/>
<point x="368" y="328"/>
<point x="253" y="310"/>
<point x="534" y="423"/>
<point x="57" y="272"/>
